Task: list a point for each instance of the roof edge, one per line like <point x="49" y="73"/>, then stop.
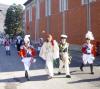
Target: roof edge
<point x="27" y="2"/>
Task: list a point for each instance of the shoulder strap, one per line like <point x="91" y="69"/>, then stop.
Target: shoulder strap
<point x="65" y="48"/>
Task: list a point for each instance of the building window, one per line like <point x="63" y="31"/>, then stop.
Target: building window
<point x="37" y="9"/>
<point x="30" y="13"/>
<point x="87" y="1"/>
<point x="25" y="15"/>
<point x="47" y="7"/>
<point x="63" y="5"/>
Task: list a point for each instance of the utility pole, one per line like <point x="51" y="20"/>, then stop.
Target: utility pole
<point x="63" y="32"/>
<point x="64" y="8"/>
<point x="37" y="17"/>
<point x="89" y="16"/>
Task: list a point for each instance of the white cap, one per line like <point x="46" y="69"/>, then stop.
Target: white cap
<point x="89" y="35"/>
<point x="63" y="36"/>
<point x="26" y="38"/>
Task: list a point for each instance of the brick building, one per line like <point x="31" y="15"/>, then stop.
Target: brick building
<point x="72" y="17"/>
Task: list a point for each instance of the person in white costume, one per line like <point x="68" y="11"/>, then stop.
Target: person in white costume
<point x="64" y="56"/>
<point x="88" y="52"/>
<point x="49" y="52"/>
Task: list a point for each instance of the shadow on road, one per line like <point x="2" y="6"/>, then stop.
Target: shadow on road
<point x="23" y="79"/>
<point x="85" y="80"/>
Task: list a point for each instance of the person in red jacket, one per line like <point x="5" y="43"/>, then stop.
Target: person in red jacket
<point x="88" y="52"/>
<point x="7" y="46"/>
<point x="27" y="53"/>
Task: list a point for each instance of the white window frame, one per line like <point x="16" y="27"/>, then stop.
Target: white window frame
<point x="30" y="13"/>
<point x="63" y="5"/>
<point x="37" y="9"/>
<point x="47" y="7"/>
<point x="86" y="1"/>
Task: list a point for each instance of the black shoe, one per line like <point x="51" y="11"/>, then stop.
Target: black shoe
<point x="26" y="74"/>
<point x="81" y="68"/>
<point x="68" y="76"/>
<point x="92" y="72"/>
<point x="59" y="73"/>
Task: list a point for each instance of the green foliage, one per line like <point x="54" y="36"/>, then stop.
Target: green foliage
<point x="13" y="21"/>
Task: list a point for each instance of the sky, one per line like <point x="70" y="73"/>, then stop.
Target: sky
<point x="10" y="2"/>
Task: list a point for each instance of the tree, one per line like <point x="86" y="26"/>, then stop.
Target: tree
<point x="13" y="21"/>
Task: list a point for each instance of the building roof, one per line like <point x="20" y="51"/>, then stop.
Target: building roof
<point x="27" y="2"/>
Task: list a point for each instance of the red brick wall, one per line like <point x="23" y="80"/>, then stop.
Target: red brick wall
<point x="95" y="14"/>
<point x="74" y="4"/>
<point x="42" y="19"/>
<point x="33" y="23"/>
<point x="76" y="23"/>
<point x="27" y="22"/>
<point x="55" y="6"/>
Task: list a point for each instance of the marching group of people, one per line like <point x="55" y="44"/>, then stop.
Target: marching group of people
<point x="51" y="51"/>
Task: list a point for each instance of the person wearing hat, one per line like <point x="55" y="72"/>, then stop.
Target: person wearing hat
<point x="88" y="53"/>
<point x="27" y="53"/>
<point x="49" y="52"/>
<point x="64" y="57"/>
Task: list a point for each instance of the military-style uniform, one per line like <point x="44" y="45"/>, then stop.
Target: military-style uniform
<point x="88" y="56"/>
<point x="27" y="53"/>
<point x="64" y="57"/>
<point x="88" y="52"/>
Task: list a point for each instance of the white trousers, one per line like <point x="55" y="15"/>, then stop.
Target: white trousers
<point x="7" y="48"/>
<point x="49" y="64"/>
<point x="27" y="63"/>
<point x="65" y="65"/>
<point x="88" y="58"/>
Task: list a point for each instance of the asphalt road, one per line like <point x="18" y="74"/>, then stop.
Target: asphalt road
<point x="12" y="74"/>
